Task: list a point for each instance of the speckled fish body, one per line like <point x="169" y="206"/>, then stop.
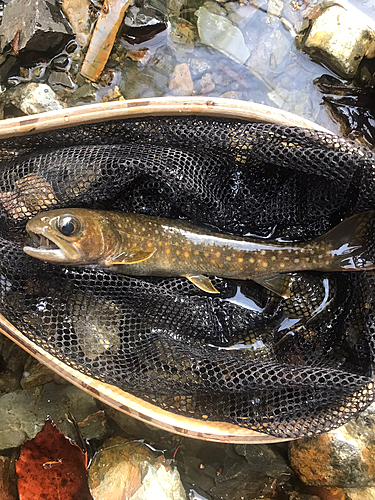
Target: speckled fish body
<point x="141" y="245"/>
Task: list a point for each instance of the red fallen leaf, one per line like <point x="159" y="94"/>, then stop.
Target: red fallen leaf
<point x="50" y="467"/>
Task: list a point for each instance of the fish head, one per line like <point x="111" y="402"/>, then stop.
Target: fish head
<point x="70" y="236"/>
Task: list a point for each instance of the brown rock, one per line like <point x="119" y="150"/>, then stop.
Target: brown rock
<point x="5" y="483"/>
<point x="310" y="458"/>
<point x="114" y="473"/>
<point x="37" y="374"/>
<point x="343" y="458"/>
<point x="181" y="82"/>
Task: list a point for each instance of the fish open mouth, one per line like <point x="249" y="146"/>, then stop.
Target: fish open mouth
<point x="50" y="249"/>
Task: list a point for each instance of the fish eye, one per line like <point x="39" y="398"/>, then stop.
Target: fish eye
<point x="69" y="225"/>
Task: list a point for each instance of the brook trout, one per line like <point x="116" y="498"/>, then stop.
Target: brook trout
<point x="139" y="245"/>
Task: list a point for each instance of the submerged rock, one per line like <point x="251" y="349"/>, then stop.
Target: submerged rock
<point x="36" y="373"/>
<point x="12" y="360"/>
<point x="37" y="25"/>
<point x="339" y="37"/>
<point x="23" y="413"/>
<point x="220" y="34"/>
<point x="242" y="472"/>
<point x="181" y="83"/>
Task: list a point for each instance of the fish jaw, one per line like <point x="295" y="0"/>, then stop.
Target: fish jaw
<point x="50" y="247"/>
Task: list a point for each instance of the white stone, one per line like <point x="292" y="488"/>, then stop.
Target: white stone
<point x="35" y="98"/>
<point x="340" y="37"/>
<point x="220" y="34"/>
<point x="160" y="483"/>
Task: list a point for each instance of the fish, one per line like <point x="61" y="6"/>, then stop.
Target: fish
<point x="141" y="245"/>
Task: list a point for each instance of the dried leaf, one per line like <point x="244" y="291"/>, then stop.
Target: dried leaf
<point x="51" y="467"/>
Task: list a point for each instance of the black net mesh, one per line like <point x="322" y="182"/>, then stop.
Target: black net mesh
<point x="288" y="367"/>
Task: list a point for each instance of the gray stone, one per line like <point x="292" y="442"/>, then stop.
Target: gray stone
<point x="40" y="25"/>
<point x="218" y="471"/>
<point x="220" y="34"/>
<point x="205" y="85"/>
<point x="60" y="79"/>
<point x="23" y="413"/>
<point x="33" y="98"/>
<point x="340" y="37"/>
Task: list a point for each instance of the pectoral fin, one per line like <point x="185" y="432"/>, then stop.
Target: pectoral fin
<point x="131" y="257"/>
<point x="203" y="283"/>
<point x="279" y="284"/>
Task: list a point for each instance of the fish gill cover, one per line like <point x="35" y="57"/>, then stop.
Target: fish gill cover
<point x="289" y="367"/>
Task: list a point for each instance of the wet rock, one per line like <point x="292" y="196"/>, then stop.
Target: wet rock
<point x="95" y="426"/>
<point x="359" y="494"/>
<point x="160" y="481"/>
<point x="12" y="360"/>
<point x="295" y="495"/>
<point x="218" y="471"/>
<point x="38" y="24"/>
<point x="142" y="24"/>
<point x="23" y="413"/>
<point x="181" y="82"/>
<point x="128" y="469"/>
<point x="78" y="14"/>
<point x="353" y="107"/>
<point x="232" y="95"/>
<point x="198" y="66"/>
<point x="59" y="79"/>
<point x="83" y="95"/>
<point x="139" y="430"/>
<point x="36" y="373"/>
<point x="239" y="14"/>
<point x="182" y="34"/>
<point x="343" y="458"/>
<point x="142" y="56"/>
<point x="220" y="34"/>
<point x="341" y="494"/>
<point x="205" y="85"/>
<point x="7" y="489"/>
<point x="339" y="37"/>
<point x="33" y="98"/>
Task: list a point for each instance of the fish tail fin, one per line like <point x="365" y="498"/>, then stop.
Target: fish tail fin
<point x="351" y="243"/>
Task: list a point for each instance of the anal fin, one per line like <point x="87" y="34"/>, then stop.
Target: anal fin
<point x="202" y="282"/>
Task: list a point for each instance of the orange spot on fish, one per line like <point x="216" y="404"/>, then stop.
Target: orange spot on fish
<point x="228" y="258"/>
<point x="149" y="244"/>
<point x="177" y="252"/>
<point x="217" y="254"/>
<point x="168" y="250"/>
<point x="186" y="255"/>
<point x="240" y="260"/>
